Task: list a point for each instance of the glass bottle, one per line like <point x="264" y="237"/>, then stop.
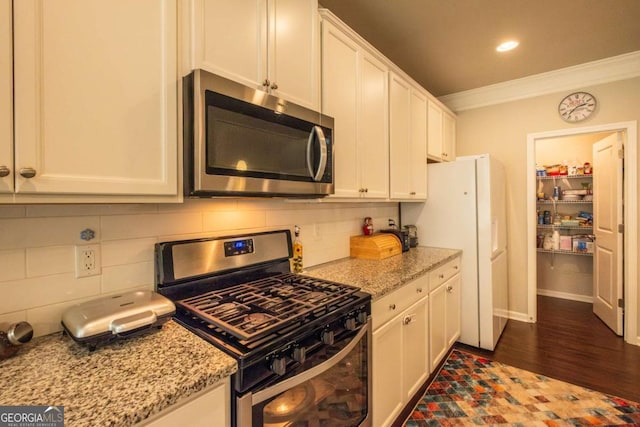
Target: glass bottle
<point x="297" y="251"/>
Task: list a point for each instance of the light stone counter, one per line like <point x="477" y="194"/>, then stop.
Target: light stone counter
<point x="379" y="277"/>
<point x="116" y="385"/>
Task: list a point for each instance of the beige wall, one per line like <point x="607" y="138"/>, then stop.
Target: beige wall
<point x="502" y="130"/>
<point x="37" y="280"/>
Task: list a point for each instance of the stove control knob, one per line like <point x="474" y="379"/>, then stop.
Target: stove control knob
<point x="299" y="354"/>
<point x="278" y="365"/>
<point x="327" y="337"/>
<point x="363" y="317"/>
<point x="351" y="324"/>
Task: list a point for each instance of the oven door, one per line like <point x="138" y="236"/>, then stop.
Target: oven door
<point x="334" y="391"/>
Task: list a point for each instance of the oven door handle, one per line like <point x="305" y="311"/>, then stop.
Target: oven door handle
<point x="317" y="175"/>
<point x="285" y="385"/>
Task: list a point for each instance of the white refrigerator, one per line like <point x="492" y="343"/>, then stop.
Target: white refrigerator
<point x="466" y="209"/>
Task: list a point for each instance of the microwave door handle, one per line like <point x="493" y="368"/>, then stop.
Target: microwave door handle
<point x="317" y="130"/>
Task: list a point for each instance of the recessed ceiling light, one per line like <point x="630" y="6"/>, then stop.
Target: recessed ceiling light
<point x="508" y="45"/>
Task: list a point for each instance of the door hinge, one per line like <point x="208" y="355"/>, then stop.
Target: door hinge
<point x="621" y="302"/>
<point x="621" y="153"/>
<point x="620" y="228"/>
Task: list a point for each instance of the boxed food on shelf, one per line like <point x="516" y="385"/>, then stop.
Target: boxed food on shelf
<point x="582" y="244"/>
<point x="565" y="243"/>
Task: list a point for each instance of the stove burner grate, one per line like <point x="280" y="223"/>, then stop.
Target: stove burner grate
<point x="252" y="310"/>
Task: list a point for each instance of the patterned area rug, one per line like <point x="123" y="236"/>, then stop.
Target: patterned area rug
<point x="471" y="390"/>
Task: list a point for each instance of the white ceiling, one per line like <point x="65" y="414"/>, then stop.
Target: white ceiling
<point x="448" y="46"/>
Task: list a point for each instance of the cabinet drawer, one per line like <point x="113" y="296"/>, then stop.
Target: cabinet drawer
<point x="443" y="273"/>
<point x="396" y="302"/>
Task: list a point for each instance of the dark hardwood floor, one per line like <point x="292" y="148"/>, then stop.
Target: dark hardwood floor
<point x="572" y="344"/>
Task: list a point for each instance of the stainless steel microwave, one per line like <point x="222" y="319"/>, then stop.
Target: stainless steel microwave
<point x="239" y="141"/>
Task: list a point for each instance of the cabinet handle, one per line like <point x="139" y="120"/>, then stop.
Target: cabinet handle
<point x="441" y="276"/>
<point x="455" y="267"/>
<point x="419" y="290"/>
<point x="366" y="190"/>
<point x="274" y="86"/>
<point x="449" y="288"/>
<point x="392" y="306"/>
<point x="27" y="172"/>
<point x="413" y="193"/>
<point x="4" y="171"/>
<point x="266" y="83"/>
<point x="406" y="320"/>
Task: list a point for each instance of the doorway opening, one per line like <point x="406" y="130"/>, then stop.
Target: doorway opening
<point x="575" y="278"/>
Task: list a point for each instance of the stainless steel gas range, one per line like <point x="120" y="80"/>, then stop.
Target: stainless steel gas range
<point x="303" y="345"/>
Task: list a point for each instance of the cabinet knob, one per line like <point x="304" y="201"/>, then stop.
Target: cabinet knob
<point x="419" y="290"/>
<point x="27" y="172"/>
<point x="413" y="193"/>
<point x="366" y="190"/>
<point x="266" y="83"/>
<point x="4" y="171"/>
<point x="449" y="288"/>
<point x="406" y="320"/>
<point x="392" y="306"/>
<point x="441" y="276"/>
<point x="274" y="86"/>
<point x="360" y="190"/>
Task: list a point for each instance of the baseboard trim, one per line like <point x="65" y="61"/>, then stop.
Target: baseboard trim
<point x="521" y="317"/>
<point x="565" y="295"/>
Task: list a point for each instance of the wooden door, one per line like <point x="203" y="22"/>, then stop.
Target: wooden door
<point x="339" y="100"/>
<point x="415" y="348"/>
<point x="399" y="127"/>
<point x="434" y="131"/>
<point x="373" y="119"/>
<point x="6" y="99"/>
<point x="387" y="365"/>
<point x="607" y="216"/>
<point x="95" y="95"/>
<point x="418" y="146"/>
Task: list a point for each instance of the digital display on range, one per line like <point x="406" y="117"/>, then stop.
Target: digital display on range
<point x="238" y="247"/>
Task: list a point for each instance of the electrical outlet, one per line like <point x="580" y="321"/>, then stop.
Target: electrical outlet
<point x="87" y="260"/>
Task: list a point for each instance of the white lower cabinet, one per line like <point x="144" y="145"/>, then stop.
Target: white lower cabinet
<point x="400" y="349"/>
<point x="444" y="310"/>
<point x="207" y="408"/>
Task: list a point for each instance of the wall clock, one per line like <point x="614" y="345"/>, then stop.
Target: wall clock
<point x="577" y="106"/>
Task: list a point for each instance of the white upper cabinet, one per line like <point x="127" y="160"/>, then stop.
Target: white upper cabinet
<point x="408" y="140"/>
<point x="95" y="97"/>
<point x="6" y="99"/>
<point x="441" y="134"/>
<point x="449" y="137"/>
<point x="271" y="45"/>
<point x="354" y="93"/>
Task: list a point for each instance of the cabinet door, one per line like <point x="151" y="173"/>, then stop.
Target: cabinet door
<point x="434" y="131"/>
<point x="452" y="324"/>
<point x="387" y="366"/>
<point x="373" y="137"/>
<point x="96" y="97"/>
<point x="294" y="51"/>
<point x="415" y="348"/>
<point x="437" y="332"/>
<point x="418" y="146"/>
<point x="208" y="408"/>
<point x="448" y="137"/>
<point x="400" y="116"/>
<point x="6" y="99"/>
<point x="230" y="39"/>
<point x="339" y="100"/>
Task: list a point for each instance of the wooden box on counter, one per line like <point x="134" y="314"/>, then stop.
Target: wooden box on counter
<point x="376" y="246"/>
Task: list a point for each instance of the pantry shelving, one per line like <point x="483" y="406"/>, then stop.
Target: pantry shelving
<point x="553" y="236"/>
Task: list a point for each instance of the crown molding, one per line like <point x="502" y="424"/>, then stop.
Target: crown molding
<point x="619" y="67"/>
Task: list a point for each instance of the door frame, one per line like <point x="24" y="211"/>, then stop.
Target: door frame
<point x="629" y="194"/>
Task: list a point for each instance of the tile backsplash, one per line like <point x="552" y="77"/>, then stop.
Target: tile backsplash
<point x="37" y="244"/>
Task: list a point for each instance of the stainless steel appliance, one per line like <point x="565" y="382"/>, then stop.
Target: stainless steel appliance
<point x="302" y="344"/>
<point x="239" y="141"/>
<point x="103" y="320"/>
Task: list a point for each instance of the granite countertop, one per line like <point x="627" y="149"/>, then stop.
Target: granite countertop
<point x="379" y="277"/>
<point x="116" y="385"/>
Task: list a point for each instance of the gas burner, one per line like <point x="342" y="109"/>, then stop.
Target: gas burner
<point x="315" y="297"/>
<point x="255" y="320"/>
